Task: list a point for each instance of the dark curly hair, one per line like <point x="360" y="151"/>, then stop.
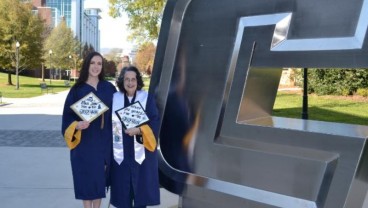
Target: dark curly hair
<point x="120" y="80"/>
<point x="83" y="76"/>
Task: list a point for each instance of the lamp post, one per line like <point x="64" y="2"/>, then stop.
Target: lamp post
<point x="43" y="72"/>
<point x="75" y="66"/>
<point x="70" y="73"/>
<point x="17" y="45"/>
<point x="305" y="94"/>
<point x="50" y="53"/>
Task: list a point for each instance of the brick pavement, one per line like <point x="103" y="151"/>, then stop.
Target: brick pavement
<point x="39" y="138"/>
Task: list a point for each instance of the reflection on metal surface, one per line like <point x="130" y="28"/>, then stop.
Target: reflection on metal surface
<point x="340" y="43"/>
<point x="281" y="30"/>
<point x="259" y="93"/>
<point x="219" y="144"/>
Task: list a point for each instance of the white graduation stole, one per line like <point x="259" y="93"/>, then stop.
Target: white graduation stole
<point x="117" y="128"/>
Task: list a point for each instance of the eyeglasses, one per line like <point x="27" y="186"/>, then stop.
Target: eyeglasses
<point x="130" y="80"/>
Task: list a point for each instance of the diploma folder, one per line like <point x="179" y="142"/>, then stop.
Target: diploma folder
<point x="132" y="115"/>
<point x="89" y="107"/>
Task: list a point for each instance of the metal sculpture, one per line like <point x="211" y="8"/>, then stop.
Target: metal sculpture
<point x="216" y="74"/>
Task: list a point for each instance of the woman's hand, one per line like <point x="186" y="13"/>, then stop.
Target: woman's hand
<point x="82" y="125"/>
<point x="133" y="131"/>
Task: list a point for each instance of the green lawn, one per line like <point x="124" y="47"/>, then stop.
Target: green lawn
<point x="146" y="81"/>
<point x="322" y="108"/>
<point x="28" y="86"/>
<point x="288" y="105"/>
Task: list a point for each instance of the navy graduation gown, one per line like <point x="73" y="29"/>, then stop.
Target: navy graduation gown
<point x="90" y="158"/>
<point x="131" y="179"/>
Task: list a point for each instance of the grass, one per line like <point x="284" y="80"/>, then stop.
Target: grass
<point x="28" y="86"/>
<point x="289" y="105"/>
<point x="146" y="81"/>
<point x="323" y="108"/>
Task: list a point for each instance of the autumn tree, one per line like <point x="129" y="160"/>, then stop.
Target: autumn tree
<point x="59" y="46"/>
<point x="145" y="57"/>
<point x="75" y="55"/>
<point x="110" y="68"/>
<point x="144" y="17"/>
<point x="19" y="24"/>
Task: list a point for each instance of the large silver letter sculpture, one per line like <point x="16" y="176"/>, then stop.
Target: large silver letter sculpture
<point x="216" y="74"/>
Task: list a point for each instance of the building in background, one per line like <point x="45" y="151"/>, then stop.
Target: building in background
<point x="91" y="27"/>
<point x="84" y="23"/>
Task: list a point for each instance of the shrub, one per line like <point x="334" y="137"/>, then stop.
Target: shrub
<point x="337" y="81"/>
<point x="362" y="92"/>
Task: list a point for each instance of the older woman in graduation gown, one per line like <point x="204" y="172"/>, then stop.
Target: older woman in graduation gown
<point x="134" y="169"/>
<point x="90" y="142"/>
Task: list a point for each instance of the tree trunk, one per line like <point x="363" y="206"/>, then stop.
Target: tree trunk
<point x="9" y="79"/>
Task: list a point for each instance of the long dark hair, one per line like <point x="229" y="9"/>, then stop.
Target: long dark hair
<point x="83" y="76"/>
<point x="120" y="80"/>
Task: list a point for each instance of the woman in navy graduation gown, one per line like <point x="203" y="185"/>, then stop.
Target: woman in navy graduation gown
<point x="134" y="168"/>
<point x="90" y="153"/>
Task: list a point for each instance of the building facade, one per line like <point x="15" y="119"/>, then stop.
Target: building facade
<point x="91" y="27"/>
<point x="84" y="23"/>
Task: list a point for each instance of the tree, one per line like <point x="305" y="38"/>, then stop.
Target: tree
<point x="86" y="50"/>
<point x="110" y="68"/>
<point x="77" y="59"/>
<point x="62" y="44"/>
<point x="17" y="23"/>
<point x="145" y="57"/>
<point x="144" y="17"/>
<point x="114" y="55"/>
<point x="337" y="81"/>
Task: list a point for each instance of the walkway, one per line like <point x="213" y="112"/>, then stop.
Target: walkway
<point x="34" y="161"/>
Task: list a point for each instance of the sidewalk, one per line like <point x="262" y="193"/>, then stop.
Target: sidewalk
<point x="34" y="161"/>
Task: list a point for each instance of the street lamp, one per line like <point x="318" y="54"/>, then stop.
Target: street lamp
<point x="305" y="94"/>
<point x="50" y="53"/>
<point x="75" y="67"/>
<point x="70" y="72"/>
<point x="43" y="72"/>
<point x="17" y="45"/>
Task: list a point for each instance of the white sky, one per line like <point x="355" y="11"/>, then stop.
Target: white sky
<point x="112" y="30"/>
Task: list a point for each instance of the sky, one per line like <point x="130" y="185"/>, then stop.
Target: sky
<point x="113" y="31"/>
